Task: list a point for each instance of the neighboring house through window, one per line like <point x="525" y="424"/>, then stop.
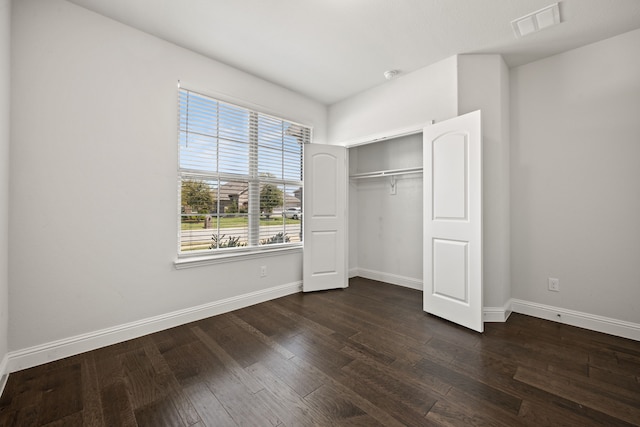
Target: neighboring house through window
<point x="239" y="170"/>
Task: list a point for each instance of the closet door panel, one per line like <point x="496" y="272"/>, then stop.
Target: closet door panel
<point x="325" y="218"/>
<point x="450" y="195"/>
<point x="453" y="220"/>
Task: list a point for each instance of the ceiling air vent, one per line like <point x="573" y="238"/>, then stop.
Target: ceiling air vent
<point x="536" y="21"/>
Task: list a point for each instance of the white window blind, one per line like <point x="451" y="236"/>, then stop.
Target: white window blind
<point x="240" y="173"/>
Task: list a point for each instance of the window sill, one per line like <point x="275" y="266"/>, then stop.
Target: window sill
<point x="190" y="261"/>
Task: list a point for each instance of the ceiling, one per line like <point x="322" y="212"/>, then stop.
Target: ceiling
<point x="331" y="49"/>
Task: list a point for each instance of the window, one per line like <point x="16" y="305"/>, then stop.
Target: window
<point x="239" y="172"/>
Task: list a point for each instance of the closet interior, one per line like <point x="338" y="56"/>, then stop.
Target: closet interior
<point x="385" y="210"/>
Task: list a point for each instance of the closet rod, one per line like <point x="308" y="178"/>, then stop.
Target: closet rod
<point x="383" y="173"/>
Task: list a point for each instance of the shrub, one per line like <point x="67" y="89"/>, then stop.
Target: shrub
<point x="278" y="238"/>
<point x="232" y="242"/>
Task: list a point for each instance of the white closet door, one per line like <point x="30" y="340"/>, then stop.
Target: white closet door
<point x="453" y="220"/>
<point x="324" y="217"/>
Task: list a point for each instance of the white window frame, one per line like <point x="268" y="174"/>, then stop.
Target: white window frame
<point x="253" y="180"/>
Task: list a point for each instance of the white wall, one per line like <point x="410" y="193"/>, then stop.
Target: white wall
<point x="5" y="19"/>
<point x="408" y="101"/>
<point x="93" y="182"/>
<point x="483" y="84"/>
<point x="575" y="174"/>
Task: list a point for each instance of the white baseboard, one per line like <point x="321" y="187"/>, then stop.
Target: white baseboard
<point x="497" y="314"/>
<point x="55" y="350"/>
<point x="394" y="279"/>
<point x="593" y="322"/>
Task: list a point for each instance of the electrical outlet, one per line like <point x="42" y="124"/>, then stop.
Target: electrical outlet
<point x="263" y="271"/>
<point x="554" y="284"/>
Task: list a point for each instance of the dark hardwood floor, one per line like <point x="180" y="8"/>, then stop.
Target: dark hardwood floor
<point x="365" y="356"/>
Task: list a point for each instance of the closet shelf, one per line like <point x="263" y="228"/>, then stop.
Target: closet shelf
<point x="383" y="173"/>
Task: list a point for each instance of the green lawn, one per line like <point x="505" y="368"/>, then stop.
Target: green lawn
<point x="228" y="222"/>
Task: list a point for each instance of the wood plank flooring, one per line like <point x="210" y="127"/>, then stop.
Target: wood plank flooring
<point x="364" y="356"/>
